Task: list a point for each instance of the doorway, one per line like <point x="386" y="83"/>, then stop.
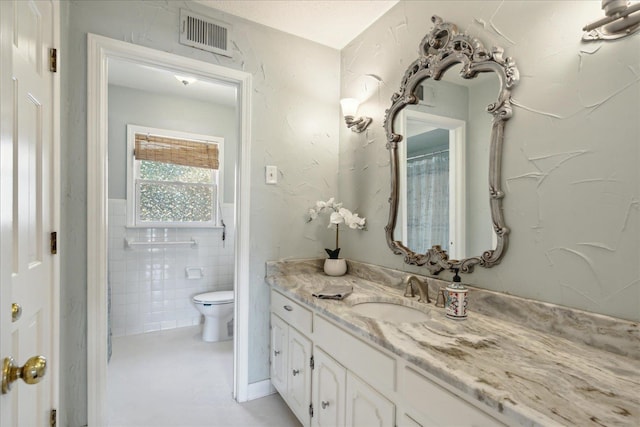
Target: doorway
<point x="101" y="51"/>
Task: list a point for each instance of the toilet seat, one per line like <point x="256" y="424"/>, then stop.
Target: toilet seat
<point x="214" y="298"/>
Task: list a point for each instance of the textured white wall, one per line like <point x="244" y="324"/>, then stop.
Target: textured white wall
<point x="571" y="159"/>
<point x="295" y="119"/>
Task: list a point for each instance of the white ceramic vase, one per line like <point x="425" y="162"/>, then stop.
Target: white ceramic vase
<point x="335" y="267"/>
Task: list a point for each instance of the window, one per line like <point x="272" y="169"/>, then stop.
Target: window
<point x="174" y="178"/>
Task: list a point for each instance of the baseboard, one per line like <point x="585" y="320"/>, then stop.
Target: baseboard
<point x="260" y="389"/>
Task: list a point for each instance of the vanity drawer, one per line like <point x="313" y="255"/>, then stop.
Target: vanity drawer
<point x="434" y="405"/>
<point x="291" y="312"/>
<point x="377" y="368"/>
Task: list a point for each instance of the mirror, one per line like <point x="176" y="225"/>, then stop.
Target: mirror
<point x="445" y="132"/>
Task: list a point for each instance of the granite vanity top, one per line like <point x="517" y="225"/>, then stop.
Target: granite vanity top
<point x="584" y="373"/>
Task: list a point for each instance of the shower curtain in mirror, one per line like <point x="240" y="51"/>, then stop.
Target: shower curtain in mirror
<point x="428" y="201"/>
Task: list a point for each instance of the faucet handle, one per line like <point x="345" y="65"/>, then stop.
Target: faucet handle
<point x="440" y="297"/>
<point x="409" y="291"/>
<point x="423" y="287"/>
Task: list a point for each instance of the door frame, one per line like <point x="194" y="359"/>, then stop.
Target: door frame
<point x="99" y="50"/>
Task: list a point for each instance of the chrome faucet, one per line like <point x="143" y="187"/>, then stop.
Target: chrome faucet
<point x="412" y="282"/>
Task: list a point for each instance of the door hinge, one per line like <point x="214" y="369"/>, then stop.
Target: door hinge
<point x="53" y="60"/>
<point x="54" y="242"/>
<point x="53" y="418"/>
<point x="312" y="363"/>
<point x="311" y="410"/>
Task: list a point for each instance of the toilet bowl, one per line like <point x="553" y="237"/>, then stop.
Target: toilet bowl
<point x="217" y="308"/>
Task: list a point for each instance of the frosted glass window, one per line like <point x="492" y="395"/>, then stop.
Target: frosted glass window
<point x="165" y="194"/>
<point x="156" y="171"/>
<point x="161" y="201"/>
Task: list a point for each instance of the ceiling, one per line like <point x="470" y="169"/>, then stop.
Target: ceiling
<point x="157" y="80"/>
<point x="333" y="23"/>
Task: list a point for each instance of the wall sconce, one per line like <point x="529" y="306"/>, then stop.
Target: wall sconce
<point x="623" y="19"/>
<point x="349" y="109"/>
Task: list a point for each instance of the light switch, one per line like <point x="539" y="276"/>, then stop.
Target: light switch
<point x="271" y="175"/>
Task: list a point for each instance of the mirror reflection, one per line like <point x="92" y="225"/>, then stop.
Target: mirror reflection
<point x="444" y="165"/>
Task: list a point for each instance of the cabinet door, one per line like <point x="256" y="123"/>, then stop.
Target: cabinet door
<point x="365" y="407"/>
<point x="279" y="342"/>
<point x="329" y="386"/>
<point x="299" y="375"/>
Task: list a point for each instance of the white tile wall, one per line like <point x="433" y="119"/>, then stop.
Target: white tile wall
<point x="149" y="287"/>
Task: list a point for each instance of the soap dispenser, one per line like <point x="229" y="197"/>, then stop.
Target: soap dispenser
<point x="456" y="299"/>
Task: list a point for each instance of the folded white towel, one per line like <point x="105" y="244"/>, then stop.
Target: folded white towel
<point x="334" y="292"/>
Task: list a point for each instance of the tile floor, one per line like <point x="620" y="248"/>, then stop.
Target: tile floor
<point x="173" y="378"/>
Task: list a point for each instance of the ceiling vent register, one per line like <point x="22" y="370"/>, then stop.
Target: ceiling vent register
<point x="204" y="33"/>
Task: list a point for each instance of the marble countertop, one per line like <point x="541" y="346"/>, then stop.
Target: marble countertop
<point x="530" y="376"/>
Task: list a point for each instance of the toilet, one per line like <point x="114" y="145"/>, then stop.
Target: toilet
<point x="217" y="308"/>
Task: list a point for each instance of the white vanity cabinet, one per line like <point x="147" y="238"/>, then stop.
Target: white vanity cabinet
<point x="366" y="407"/>
<point x="299" y="375"/>
<point x="279" y="353"/>
<point x="291" y="354"/>
<point x="428" y="404"/>
<point x="353" y="382"/>
<point x="329" y="383"/>
<point x="340" y="398"/>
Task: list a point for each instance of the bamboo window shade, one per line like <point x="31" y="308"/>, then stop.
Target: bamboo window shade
<point x="176" y="151"/>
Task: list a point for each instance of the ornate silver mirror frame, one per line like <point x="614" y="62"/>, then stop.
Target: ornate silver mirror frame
<point x="440" y="49"/>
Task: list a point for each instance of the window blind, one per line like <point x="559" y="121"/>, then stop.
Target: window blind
<point x="176" y="151"/>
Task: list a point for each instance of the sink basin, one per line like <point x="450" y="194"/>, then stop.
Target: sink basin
<point x="390" y="312"/>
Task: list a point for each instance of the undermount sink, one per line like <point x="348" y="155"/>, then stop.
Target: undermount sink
<point x="390" y="312"/>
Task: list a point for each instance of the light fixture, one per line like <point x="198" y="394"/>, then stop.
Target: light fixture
<point x="623" y="19"/>
<point x="349" y="109"/>
<point x="185" y="80"/>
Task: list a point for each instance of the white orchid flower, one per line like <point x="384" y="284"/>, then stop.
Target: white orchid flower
<point x="339" y="215"/>
<point x="336" y="218"/>
<point x="352" y="220"/>
<point x="322" y="205"/>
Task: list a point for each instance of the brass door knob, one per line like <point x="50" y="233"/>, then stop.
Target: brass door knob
<point x="16" y="312"/>
<point x="31" y="373"/>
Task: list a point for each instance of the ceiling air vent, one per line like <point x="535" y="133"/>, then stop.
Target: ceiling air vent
<point x="204" y="33"/>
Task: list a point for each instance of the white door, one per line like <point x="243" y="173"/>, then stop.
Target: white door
<point x="26" y="213"/>
<point x="329" y="384"/>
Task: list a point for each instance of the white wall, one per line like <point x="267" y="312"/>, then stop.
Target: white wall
<point x="570" y="164"/>
<point x="295" y="119"/>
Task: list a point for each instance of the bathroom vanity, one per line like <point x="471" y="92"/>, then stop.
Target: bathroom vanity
<point x="528" y="363"/>
<point x="378" y="358"/>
